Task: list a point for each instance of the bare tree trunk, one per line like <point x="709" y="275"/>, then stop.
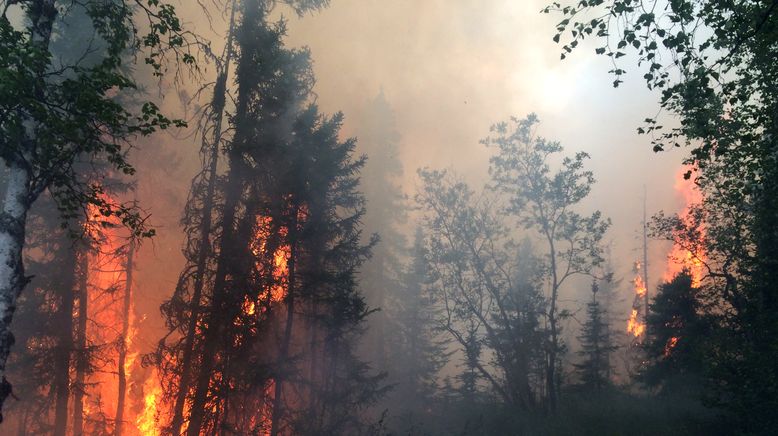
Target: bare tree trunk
<point x="219" y="97"/>
<point x="278" y="412"/>
<point x="119" y="421"/>
<point x="552" y="352"/>
<point x="213" y="324"/>
<point x="81" y="344"/>
<point x="64" y="349"/>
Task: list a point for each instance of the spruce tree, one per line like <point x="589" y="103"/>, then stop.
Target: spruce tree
<point x="678" y="330"/>
<point x="417" y="350"/>
<point x="596" y="346"/>
<point x="386" y="212"/>
<point x="274" y="345"/>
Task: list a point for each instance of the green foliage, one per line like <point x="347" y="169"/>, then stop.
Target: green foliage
<point x="678" y="328"/>
<point x="597" y="346"/>
<point x="715" y="66"/>
<point x="54" y="115"/>
<point x="545" y="202"/>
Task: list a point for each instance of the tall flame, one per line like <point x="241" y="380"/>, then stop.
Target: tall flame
<point x="106" y="278"/>
<point x="681" y="258"/>
<point x="635" y="325"/>
<point x="147" y="421"/>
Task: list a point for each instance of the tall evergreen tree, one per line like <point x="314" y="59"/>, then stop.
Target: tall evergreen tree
<point x="679" y="331"/>
<point x="418" y="351"/>
<point x="281" y="309"/>
<point x="596" y="346"/>
<point x="386" y="212"/>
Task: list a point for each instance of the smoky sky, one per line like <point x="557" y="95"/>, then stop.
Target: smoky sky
<point x="450" y="69"/>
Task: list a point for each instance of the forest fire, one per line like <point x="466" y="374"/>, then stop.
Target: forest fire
<point x="690" y="258"/>
<point x="278" y="265"/>
<point x="307" y="217"/>
<point x="636" y="324"/>
<point x="119" y="394"/>
<point x="671" y="343"/>
<point x="147" y="421"/>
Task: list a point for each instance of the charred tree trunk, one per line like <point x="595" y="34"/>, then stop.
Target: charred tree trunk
<point x="119" y="422"/>
<point x="278" y="412"/>
<point x="82" y="360"/>
<point x="215" y="317"/>
<point x="219" y="98"/>
<point x="64" y="349"/>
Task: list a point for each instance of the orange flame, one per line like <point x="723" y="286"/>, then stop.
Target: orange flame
<point x="148" y="420"/>
<point x="634" y="325"/>
<point x="106" y="280"/>
<point x="671" y="343"/>
<point x="679" y="257"/>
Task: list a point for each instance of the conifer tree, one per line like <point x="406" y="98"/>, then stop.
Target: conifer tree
<point x="281" y="315"/>
<point x="596" y="346"/>
<point x="417" y="349"/>
<point x="678" y="331"/>
<point x="386" y="212"/>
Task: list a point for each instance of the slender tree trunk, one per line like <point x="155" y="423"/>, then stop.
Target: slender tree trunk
<point x="278" y="412"/>
<point x="213" y="324"/>
<point x="119" y="422"/>
<point x="552" y="353"/>
<point x="314" y="361"/>
<point x="219" y="97"/>
<point x="13" y="219"/>
<point x="81" y="344"/>
<point x="19" y="195"/>
<point x="64" y="349"/>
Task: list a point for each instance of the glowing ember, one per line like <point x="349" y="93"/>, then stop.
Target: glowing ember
<point x="671" y="343"/>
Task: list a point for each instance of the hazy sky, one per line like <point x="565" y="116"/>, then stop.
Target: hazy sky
<point x="451" y="68"/>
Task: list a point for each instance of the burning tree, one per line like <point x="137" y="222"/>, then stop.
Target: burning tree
<point x="265" y="316"/>
<point x="679" y="327"/>
<point x="58" y="113"/>
<point x="636" y="324"/>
